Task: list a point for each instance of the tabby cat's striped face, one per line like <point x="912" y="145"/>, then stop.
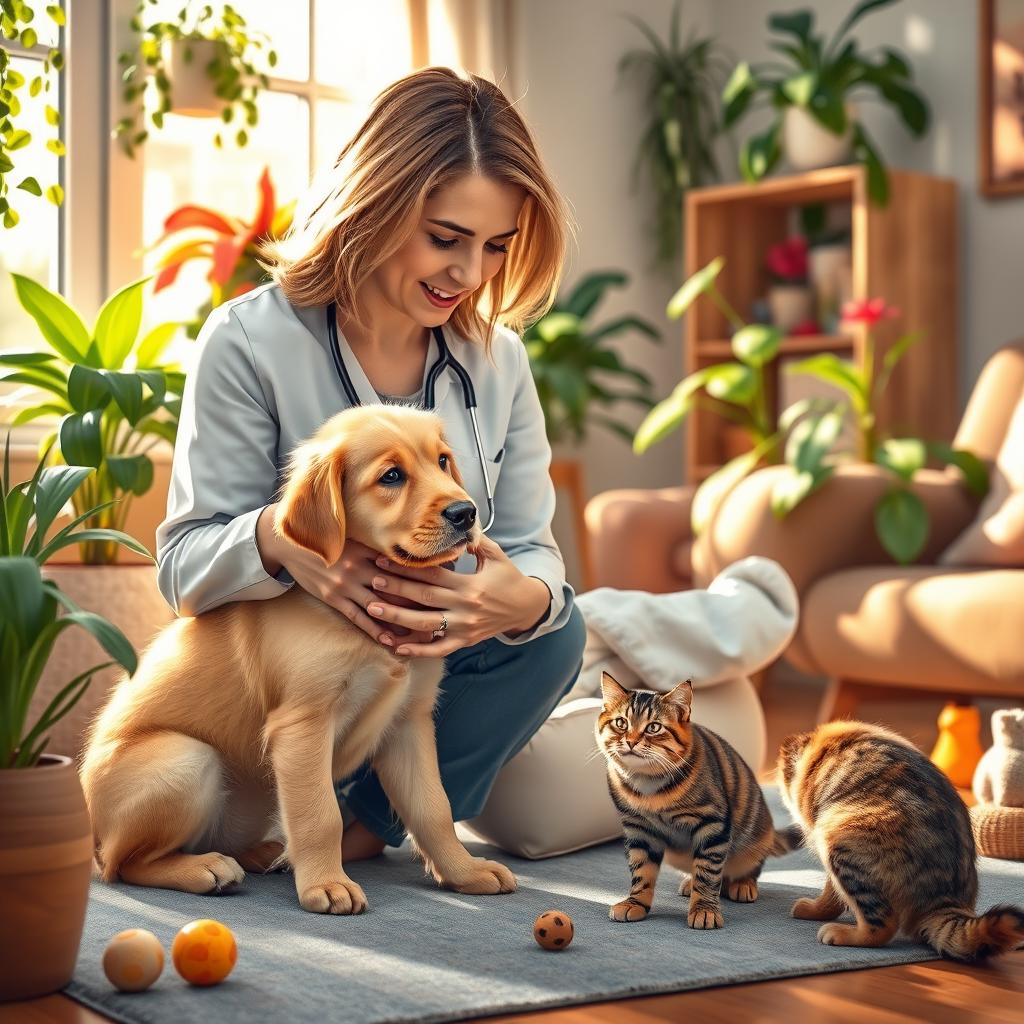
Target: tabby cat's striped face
<point x="644" y="732"/>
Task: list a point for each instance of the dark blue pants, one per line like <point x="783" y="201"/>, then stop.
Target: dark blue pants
<point x="493" y="698"/>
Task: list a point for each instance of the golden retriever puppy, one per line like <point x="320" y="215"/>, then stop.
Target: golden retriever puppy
<point x="230" y="736"/>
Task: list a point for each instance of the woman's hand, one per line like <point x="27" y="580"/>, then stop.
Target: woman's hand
<point x="345" y="585"/>
<point x="498" y="598"/>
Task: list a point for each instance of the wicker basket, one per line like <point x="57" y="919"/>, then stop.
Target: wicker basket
<point x="999" y="831"/>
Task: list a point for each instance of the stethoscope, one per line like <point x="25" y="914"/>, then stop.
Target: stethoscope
<point x="444" y="361"/>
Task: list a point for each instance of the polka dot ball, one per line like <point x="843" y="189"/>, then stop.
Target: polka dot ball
<point x="133" y="960"/>
<point x="204" y="952"/>
<point x="553" y="930"/>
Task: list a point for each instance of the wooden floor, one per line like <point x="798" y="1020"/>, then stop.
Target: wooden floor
<point x="937" y="992"/>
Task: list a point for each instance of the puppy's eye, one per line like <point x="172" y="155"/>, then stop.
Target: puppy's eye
<point x="619" y="723"/>
<point x="443" y="462"/>
<point x="392" y="476"/>
<point x="653" y="727"/>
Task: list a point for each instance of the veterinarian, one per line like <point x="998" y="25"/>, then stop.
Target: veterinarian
<point x="437" y="219"/>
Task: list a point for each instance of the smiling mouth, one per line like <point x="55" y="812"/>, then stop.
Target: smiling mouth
<point x="436" y="300"/>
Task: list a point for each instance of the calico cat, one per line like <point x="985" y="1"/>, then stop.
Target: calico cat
<point x="895" y="839"/>
<point x="681" y="788"/>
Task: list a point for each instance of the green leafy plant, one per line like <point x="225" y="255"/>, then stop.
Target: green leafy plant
<point x="736" y="391"/>
<point x="819" y="77"/>
<point x="16" y="23"/>
<point x="231" y="245"/>
<point x="30" y="606"/>
<point x="114" y="399"/>
<point x="682" y="83"/>
<point x="572" y="366"/>
<point x="236" y="80"/>
<point x="901" y="518"/>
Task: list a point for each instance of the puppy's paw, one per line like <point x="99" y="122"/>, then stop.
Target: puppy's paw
<point x="628" y="910"/>
<point x="705" y="917"/>
<point x="213" y="873"/>
<point x="481" y="878"/>
<point x="333" y="896"/>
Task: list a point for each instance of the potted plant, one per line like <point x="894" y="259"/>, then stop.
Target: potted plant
<point x="829" y="264"/>
<point x="231" y="245"/>
<point x="202" y="62"/>
<point x="810" y="90"/>
<point x="46" y="841"/>
<point x="735" y="391"/>
<point x="901" y="518"/>
<point x="790" y="300"/>
<point x="16" y="23"/>
<point x="681" y="83"/>
<point x="114" y="399"/>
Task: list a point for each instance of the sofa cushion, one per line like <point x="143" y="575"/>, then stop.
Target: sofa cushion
<point x="924" y="626"/>
<point x="996" y="537"/>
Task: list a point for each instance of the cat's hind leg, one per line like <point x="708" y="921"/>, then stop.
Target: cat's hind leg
<point x="826" y="907"/>
<point x="876" y="919"/>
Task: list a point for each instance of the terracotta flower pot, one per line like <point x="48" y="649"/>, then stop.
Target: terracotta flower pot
<point x="45" y="865"/>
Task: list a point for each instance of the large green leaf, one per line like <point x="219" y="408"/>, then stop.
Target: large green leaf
<point x="127" y="391"/>
<point x="756" y="344"/>
<point x="901" y="520"/>
<point x="87" y="389"/>
<point x="732" y="382"/>
<point x="25" y="358"/>
<point x="80" y="439"/>
<point x="830" y="368"/>
<point x="798" y="23"/>
<point x="974" y="471"/>
<point x="760" y="153"/>
<point x="555" y="325"/>
<point x="56" y="486"/>
<point x="109" y="637"/>
<point x="696" y="285"/>
<point x="854" y="16"/>
<point x="117" y="325"/>
<point x="22" y="599"/>
<point x="811" y="440"/>
<point x="588" y="292"/>
<point x="795" y="486"/>
<point x="60" y="324"/>
<point x="800" y="88"/>
<point x="878" y="179"/>
<point x="625" y="323"/>
<point x="903" y="456"/>
<point x="739" y="91"/>
<point x="828" y="110"/>
<point x="668" y="414"/>
<point x="63" y="540"/>
<point x="152" y="346"/>
<point x="131" y="472"/>
<point x="37" y="378"/>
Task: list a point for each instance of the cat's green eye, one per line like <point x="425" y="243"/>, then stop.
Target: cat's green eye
<point x="653" y="727"/>
<point x="619" y="723"/>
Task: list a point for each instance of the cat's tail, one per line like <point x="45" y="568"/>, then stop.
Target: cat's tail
<point x="786" y="839"/>
<point x="957" y="932"/>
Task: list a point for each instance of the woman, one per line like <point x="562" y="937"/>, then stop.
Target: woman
<point x="439" y="205"/>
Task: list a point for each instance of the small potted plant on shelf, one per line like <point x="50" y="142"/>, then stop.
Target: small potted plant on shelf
<point x="790" y="300"/>
<point x="46" y="841"/>
<point x="114" y="399"/>
<point x="901" y="518"/>
<point x="202" y="62"/>
<point x="16" y="23"/>
<point x="810" y="91"/>
<point x="231" y="245"/>
<point x="736" y="391"/>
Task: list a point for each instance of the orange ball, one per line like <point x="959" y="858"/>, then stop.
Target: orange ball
<point x="133" y="960"/>
<point x="553" y="930"/>
<point x="204" y="952"/>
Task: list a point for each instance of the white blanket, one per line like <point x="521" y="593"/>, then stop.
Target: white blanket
<point x="742" y="622"/>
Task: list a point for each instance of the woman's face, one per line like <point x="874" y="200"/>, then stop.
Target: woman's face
<point x="461" y="240"/>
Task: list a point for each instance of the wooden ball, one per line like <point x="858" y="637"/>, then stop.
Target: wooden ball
<point x="553" y="930"/>
<point x="133" y="960"/>
<point x="204" y="952"/>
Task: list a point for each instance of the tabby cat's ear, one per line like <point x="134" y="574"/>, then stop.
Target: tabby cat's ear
<point x="611" y="691"/>
<point x="680" y="698"/>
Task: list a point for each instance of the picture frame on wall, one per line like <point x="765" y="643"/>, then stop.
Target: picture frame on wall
<point x="1001" y="67"/>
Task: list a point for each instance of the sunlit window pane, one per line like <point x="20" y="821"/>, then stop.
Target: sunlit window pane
<point x="336" y="123"/>
<point x="32" y="247"/>
<point x="361" y="47"/>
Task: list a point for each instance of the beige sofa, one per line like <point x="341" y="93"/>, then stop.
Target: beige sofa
<point x="867" y="624"/>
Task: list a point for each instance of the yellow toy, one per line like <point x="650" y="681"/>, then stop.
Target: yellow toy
<point x="133" y="960"/>
<point x="958" y="749"/>
<point x="204" y="952"/>
<point x="553" y="930"/>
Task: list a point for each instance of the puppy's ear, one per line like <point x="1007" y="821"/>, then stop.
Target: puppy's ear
<point x="311" y="513"/>
<point x="611" y="690"/>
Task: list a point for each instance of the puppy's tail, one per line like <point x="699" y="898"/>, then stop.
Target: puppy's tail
<point x="958" y="933"/>
<point x="786" y="840"/>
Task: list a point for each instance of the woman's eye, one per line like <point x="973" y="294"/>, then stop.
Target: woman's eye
<point x="498" y="248"/>
<point x="654" y="727"/>
<point x="443" y="243"/>
<point x="619" y="723"/>
<point x="443" y="462"/>
<point x="392" y="476"/>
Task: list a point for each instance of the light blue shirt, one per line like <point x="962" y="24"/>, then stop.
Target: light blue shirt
<point x="263" y="380"/>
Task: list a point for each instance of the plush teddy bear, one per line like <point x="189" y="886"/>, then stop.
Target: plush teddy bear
<point x="999" y="777"/>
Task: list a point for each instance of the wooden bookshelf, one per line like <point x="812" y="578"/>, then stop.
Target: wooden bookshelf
<point x="906" y="252"/>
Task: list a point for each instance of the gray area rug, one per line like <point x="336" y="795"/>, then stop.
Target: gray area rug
<point x="421" y="954"/>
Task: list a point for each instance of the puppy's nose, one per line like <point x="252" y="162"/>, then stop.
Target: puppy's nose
<point x="461" y="514"/>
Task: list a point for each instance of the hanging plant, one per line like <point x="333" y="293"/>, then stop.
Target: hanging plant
<point x="16" y="23"/>
<point x="202" y="39"/>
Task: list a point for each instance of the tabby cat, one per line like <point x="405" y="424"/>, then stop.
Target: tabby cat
<point x="895" y="839"/>
<point x="681" y="788"/>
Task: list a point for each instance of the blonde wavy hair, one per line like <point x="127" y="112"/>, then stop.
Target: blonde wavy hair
<point x="424" y="132"/>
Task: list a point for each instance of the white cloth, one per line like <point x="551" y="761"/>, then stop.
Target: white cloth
<point x="552" y="797"/>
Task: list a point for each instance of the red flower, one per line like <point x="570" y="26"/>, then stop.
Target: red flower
<point x="787" y="261"/>
<point x="869" y="312"/>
